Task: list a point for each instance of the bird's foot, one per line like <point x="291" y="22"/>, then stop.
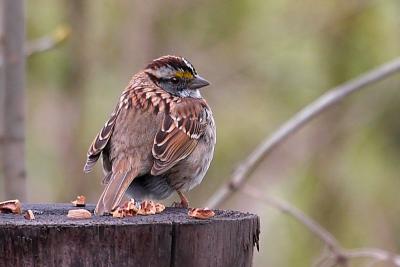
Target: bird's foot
<point x="184" y="201"/>
<point x="180" y="205"/>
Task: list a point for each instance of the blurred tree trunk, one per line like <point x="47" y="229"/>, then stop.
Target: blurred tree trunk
<point x="2" y="100"/>
<point x="13" y="97"/>
<point x="73" y="99"/>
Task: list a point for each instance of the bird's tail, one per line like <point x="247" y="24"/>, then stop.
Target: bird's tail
<point x="112" y="195"/>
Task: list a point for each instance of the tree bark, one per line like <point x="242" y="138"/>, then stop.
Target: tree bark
<point x="2" y="100"/>
<point x="13" y="141"/>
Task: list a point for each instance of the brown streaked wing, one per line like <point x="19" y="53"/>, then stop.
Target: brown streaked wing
<point x="175" y="141"/>
<point x="134" y="95"/>
<point x="100" y="142"/>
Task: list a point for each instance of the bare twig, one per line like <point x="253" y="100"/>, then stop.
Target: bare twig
<point x="314" y="227"/>
<point x="46" y="42"/>
<point x="337" y="255"/>
<point x="374" y="253"/>
<point x="330" y="98"/>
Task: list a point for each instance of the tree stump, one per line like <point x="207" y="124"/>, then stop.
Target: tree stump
<point x="167" y="239"/>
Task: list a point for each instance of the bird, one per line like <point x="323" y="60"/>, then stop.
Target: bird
<point x="159" y="139"/>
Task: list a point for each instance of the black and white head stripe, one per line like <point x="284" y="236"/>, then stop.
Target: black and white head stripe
<point x="174" y="62"/>
<point x="189" y="65"/>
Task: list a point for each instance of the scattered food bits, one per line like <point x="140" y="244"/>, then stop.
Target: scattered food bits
<point x="118" y="213"/>
<point x="129" y="209"/>
<point x="79" y="214"/>
<point x="201" y="213"/>
<point x="159" y="207"/>
<point x="29" y="215"/>
<point x="10" y="206"/>
<point x="79" y="202"/>
<point x="147" y="207"/>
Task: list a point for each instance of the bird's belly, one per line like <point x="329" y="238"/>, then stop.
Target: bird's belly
<point x="189" y="172"/>
<point x="184" y="176"/>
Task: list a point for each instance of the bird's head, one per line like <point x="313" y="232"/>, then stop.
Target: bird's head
<point x="176" y="75"/>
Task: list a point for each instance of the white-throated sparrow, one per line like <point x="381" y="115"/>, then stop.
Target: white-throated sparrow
<point x="160" y="137"/>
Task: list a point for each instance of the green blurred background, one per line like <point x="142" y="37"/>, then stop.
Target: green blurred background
<point x="266" y="60"/>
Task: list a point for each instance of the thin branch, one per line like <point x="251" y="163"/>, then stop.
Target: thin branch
<point x="374" y="253"/>
<point x="327" y="100"/>
<point x="48" y="42"/>
<point x="316" y="229"/>
<point x="338" y="254"/>
<point x="45" y="43"/>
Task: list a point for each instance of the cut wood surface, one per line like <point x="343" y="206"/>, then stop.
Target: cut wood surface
<point x="171" y="238"/>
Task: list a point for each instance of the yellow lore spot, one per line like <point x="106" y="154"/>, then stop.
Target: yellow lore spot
<point x="184" y="74"/>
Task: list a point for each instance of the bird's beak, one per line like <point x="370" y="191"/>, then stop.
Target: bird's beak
<point x="198" y="82"/>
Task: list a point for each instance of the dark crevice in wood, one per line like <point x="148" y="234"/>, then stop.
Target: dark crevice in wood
<point x="173" y="245"/>
<point x="256" y="235"/>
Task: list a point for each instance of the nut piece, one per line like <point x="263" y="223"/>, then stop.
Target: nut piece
<point x="201" y="213"/>
<point x="79" y="202"/>
<point x="10" y="206"/>
<point x="159" y="207"/>
<point x="79" y="214"/>
<point x="147" y="207"/>
<point x="118" y="213"/>
<point x="29" y="215"/>
<point x="128" y="209"/>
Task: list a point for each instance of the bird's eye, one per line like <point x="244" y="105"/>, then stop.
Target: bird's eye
<point x="174" y="80"/>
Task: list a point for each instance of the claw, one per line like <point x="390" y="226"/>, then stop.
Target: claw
<point x="184" y="201"/>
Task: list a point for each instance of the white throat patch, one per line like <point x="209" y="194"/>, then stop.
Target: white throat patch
<point x="190" y="93"/>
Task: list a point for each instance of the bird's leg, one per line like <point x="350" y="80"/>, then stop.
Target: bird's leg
<point x="184" y="201"/>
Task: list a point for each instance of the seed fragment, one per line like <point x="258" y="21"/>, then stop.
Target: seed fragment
<point x="201" y="213"/>
<point x="159" y="207"/>
<point x="79" y="214"/>
<point x="10" y="206"/>
<point x="118" y="213"/>
<point x="147" y="207"/>
<point x="29" y="215"/>
<point x="130" y="208"/>
<point x="79" y="201"/>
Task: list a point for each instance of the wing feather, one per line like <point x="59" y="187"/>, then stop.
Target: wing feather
<point x="100" y="142"/>
<point x="176" y="140"/>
